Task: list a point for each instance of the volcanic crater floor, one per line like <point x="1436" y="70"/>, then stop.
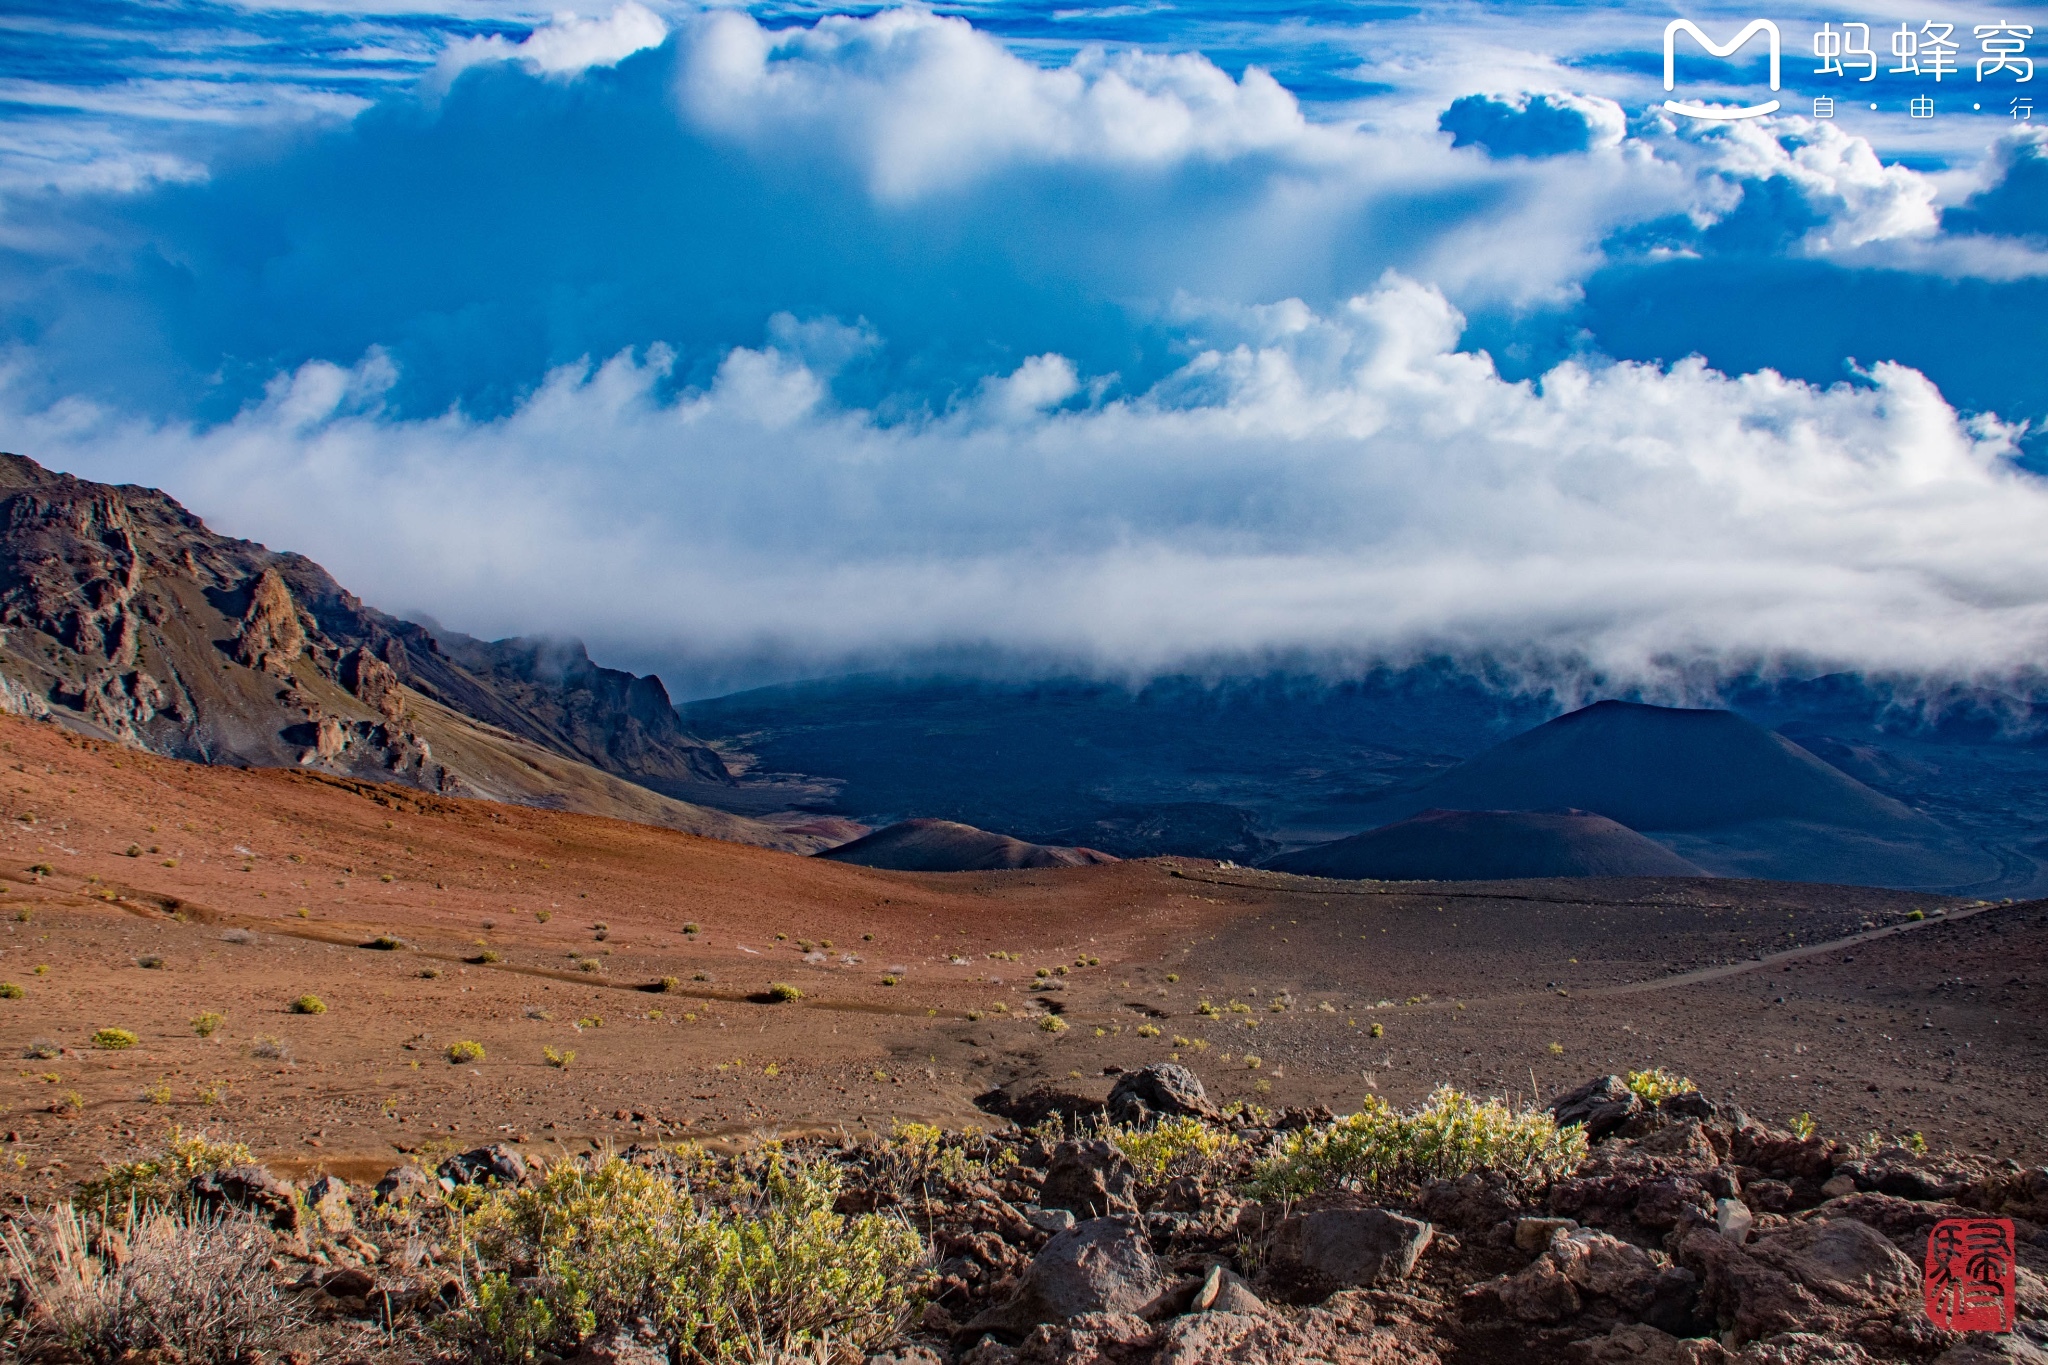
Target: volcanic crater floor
<point x="143" y="894"/>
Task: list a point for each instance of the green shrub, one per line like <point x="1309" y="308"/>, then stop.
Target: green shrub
<point x="1174" y="1146"/>
<point x="114" y="1039"/>
<point x="207" y="1023"/>
<point x="1449" y="1135"/>
<point x="783" y="991"/>
<point x="465" y="1051"/>
<point x="385" y="943"/>
<point x="745" y="1272"/>
<point x="10" y="991"/>
<point x="161" y="1177"/>
<point x="1052" y="1023"/>
<point x="308" y="1004"/>
<point x="1657" y="1084"/>
<point x="558" y="1060"/>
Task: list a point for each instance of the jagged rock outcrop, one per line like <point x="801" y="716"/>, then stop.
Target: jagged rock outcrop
<point x="374" y="682"/>
<point x="270" y="637"/>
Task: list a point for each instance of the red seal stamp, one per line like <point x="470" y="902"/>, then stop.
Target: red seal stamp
<point x="1970" y="1274"/>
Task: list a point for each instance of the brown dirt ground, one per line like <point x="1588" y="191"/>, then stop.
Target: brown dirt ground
<point x="253" y="887"/>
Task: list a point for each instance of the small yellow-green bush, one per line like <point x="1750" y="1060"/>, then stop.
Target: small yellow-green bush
<point x="1052" y="1023"/>
<point x="1173" y="1146"/>
<point x="1449" y="1135"/>
<point x="161" y="1177"/>
<point x="308" y="1004"/>
<point x="10" y="991"/>
<point x="207" y="1023"/>
<point x="465" y="1051"/>
<point x="114" y="1039"/>
<point x="745" y="1271"/>
<point x="783" y="991"/>
<point x="1658" y="1084"/>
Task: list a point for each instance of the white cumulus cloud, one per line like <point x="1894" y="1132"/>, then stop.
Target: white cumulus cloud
<point x="565" y="45"/>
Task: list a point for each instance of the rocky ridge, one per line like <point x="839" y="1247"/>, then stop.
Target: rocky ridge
<point x="1690" y="1234"/>
<point x="123" y="616"/>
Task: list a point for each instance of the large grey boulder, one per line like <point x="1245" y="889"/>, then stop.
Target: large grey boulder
<point x="495" y="1164"/>
<point x="403" y="1184"/>
<point x="248" y="1189"/>
<point x="1091" y="1178"/>
<point x="1348" y="1248"/>
<point x="1602" y="1105"/>
<point x="1104" y="1265"/>
<point x="1821" y="1277"/>
<point x="1161" y="1090"/>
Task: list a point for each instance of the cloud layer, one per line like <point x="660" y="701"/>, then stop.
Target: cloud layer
<point x="1329" y="484"/>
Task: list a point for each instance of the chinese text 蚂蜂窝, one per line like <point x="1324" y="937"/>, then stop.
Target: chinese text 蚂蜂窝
<point x="1930" y="50"/>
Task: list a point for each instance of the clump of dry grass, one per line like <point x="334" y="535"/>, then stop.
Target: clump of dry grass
<point x="189" y="1286"/>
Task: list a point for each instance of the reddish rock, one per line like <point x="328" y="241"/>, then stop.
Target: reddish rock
<point x="271" y="637"/>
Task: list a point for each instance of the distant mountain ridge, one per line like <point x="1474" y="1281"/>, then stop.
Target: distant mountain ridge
<point x="1716" y="789"/>
<point x="1490" y="845"/>
<point x="123" y="615"/>
<point x="924" y="845"/>
<point x="1246" y="768"/>
<point x="1658" y="768"/>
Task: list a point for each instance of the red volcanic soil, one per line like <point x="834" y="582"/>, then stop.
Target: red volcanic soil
<point x="141" y="892"/>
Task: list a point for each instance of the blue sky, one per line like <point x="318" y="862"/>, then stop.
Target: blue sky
<point x="756" y="341"/>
